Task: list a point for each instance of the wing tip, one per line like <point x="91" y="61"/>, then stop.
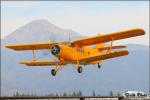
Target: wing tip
<point x="127" y="52"/>
<point x="9" y="47"/>
<point x="140" y="31"/>
<point x="123" y="52"/>
<point x="27" y="63"/>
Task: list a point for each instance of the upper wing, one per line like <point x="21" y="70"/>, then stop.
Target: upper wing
<point x="109" y="37"/>
<point x="43" y="62"/>
<point x="105" y="56"/>
<point x="46" y="45"/>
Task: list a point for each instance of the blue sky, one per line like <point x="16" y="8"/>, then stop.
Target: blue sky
<point x="85" y="17"/>
<point x="24" y="8"/>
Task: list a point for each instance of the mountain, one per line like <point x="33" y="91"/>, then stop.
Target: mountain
<point x="40" y="31"/>
<point x="118" y="74"/>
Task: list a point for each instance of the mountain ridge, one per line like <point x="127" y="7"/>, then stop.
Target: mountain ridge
<point x="41" y="29"/>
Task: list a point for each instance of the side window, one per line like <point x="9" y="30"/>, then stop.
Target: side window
<point x="77" y="50"/>
<point x="80" y="50"/>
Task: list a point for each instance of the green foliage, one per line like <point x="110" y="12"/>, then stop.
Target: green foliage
<point x="56" y="95"/>
<point x="94" y="93"/>
<point x="75" y="94"/>
<point x="17" y="94"/>
<point x="111" y="93"/>
<point x="80" y="93"/>
<point x="118" y="94"/>
<point x="65" y="94"/>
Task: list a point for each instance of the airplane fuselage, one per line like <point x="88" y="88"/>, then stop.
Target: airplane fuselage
<point x="68" y="53"/>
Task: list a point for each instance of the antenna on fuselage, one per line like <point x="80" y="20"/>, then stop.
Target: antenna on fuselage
<point x="69" y="37"/>
<point x="69" y="40"/>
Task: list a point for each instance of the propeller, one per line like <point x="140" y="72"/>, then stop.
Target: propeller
<point x="55" y="49"/>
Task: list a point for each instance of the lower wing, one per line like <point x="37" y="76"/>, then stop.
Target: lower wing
<point x="43" y="62"/>
<point x="113" y="47"/>
<point x="104" y="56"/>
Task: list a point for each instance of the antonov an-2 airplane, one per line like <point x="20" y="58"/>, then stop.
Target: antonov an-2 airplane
<point x="78" y="52"/>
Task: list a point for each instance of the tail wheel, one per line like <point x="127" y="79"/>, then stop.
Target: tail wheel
<point x="79" y="69"/>
<point x="99" y="66"/>
<point x="53" y="72"/>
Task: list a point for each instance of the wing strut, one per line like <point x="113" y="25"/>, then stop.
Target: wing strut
<point x="111" y="43"/>
<point x="77" y="61"/>
<point x="33" y="55"/>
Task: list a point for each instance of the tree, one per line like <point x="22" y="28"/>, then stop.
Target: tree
<point x="57" y="95"/>
<point x="111" y="93"/>
<point x="118" y="94"/>
<point x="73" y="94"/>
<point x="16" y="94"/>
<point x="98" y="95"/>
<point x="80" y="93"/>
<point x="65" y="94"/>
<point x="94" y="93"/>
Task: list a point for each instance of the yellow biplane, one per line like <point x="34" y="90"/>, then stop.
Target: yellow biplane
<point x="79" y="52"/>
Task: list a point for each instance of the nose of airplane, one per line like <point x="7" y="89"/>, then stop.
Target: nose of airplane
<point x="55" y="50"/>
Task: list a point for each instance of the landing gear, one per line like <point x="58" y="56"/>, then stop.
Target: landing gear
<point x="79" y="69"/>
<point x="53" y="72"/>
<point x="99" y="66"/>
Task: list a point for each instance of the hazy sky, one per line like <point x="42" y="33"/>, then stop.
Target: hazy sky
<point x="85" y="17"/>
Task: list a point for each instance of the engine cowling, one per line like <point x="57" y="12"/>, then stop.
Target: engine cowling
<point x="63" y="51"/>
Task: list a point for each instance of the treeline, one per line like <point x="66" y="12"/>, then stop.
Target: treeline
<point x="112" y="93"/>
<point x="65" y="94"/>
<point x="74" y="94"/>
<point x="17" y="94"/>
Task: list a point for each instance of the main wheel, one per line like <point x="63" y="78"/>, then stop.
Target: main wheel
<point x="99" y="66"/>
<point x="53" y="72"/>
<point x="79" y="69"/>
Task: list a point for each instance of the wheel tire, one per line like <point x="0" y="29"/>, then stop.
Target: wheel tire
<point x="53" y="72"/>
<point x="79" y="69"/>
<point x="99" y="66"/>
